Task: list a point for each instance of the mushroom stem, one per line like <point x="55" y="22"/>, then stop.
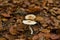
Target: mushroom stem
<point x="31" y="29"/>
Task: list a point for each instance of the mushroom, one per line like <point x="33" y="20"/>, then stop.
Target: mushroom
<point x="30" y="16"/>
<point x="29" y="22"/>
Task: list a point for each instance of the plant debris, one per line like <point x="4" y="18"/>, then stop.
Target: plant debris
<point x="41" y="19"/>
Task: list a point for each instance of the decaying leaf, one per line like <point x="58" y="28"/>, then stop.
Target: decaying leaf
<point x="45" y="30"/>
<point x="1" y="28"/>
<point x="4" y="19"/>
<point x="33" y="9"/>
<point x="5" y="15"/>
<point x="39" y="18"/>
<point x="13" y="30"/>
<point x="58" y="17"/>
<point x="1" y="38"/>
<point x="54" y="36"/>
<point x="35" y="37"/>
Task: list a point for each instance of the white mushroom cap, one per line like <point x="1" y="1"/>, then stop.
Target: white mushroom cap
<point x="29" y="22"/>
<point x="30" y="16"/>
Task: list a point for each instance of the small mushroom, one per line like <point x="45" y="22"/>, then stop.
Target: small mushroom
<point x="29" y="22"/>
<point x="30" y="16"/>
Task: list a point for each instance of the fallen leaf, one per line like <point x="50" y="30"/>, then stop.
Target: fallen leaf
<point x="45" y="30"/>
<point x="54" y="36"/>
<point x="5" y="15"/>
<point x="1" y="38"/>
<point x="39" y="18"/>
<point x="13" y="30"/>
<point x="35" y="37"/>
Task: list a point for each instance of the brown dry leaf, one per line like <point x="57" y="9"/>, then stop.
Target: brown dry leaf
<point x="9" y="37"/>
<point x="44" y="25"/>
<point x="4" y="19"/>
<point x="54" y="36"/>
<point x="37" y="8"/>
<point x="49" y="27"/>
<point x="44" y="3"/>
<point x="47" y="35"/>
<point x="56" y="10"/>
<point x="1" y="28"/>
<point x="45" y="30"/>
<point x="20" y="39"/>
<point x="5" y="15"/>
<point x="58" y="17"/>
<point x="13" y="30"/>
<point x="40" y="34"/>
<point x="33" y="9"/>
<point x="35" y="37"/>
<point x="39" y="18"/>
<point x="50" y="1"/>
<point x="19" y="21"/>
<point x="17" y="39"/>
<point x="20" y="27"/>
<point x="36" y="28"/>
<point x="9" y="12"/>
<point x="16" y="1"/>
<point x="1" y="38"/>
